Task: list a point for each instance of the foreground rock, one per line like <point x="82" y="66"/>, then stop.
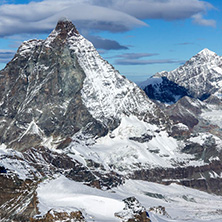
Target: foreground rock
<point x="53" y="216"/>
<point x="133" y="211"/>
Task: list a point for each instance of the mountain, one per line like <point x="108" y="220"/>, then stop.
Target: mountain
<point x="60" y="85"/>
<point x="80" y="142"/>
<point x="200" y="78"/>
<point x="201" y="75"/>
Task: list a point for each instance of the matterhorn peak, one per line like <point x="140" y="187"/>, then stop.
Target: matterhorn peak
<point x="63" y="31"/>
<point x="64" y="26"/>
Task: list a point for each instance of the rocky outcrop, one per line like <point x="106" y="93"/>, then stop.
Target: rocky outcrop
<point x="206" y="178"/>
<point x="48" y="163"/>
<point x="18" y="199"/>
<point x="186" y="111"/>
<point x="133" y="211"/>
<point x="53" y="215"/>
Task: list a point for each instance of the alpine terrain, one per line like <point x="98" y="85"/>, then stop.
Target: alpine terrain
<point x="80" y="142"/>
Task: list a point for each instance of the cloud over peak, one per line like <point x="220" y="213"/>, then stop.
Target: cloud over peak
<point x="99" y="15"/>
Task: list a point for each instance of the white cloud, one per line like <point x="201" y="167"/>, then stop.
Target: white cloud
<point x="109" y="15"/>
<point x="199" y="20"/>
<point x="6" y="55"/>
<point x="158" y="9"/>
<point x="40" y="17"/>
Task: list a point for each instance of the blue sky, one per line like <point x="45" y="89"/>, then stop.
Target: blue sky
<point x="138" y="37"/>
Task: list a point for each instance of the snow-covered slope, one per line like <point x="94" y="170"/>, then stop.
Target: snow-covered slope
<point x="105" y="92"/>
<point x="133" y="145"/>
<point x="165" y="203"/>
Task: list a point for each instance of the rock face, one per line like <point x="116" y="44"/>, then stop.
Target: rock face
<point x="18" y="201"/>
<point x="205" y="178"/>
<point x="186" y="111"/>
<point x="41" y="90"/>
<point x="56" y="87"/>
<point x="164" y="90"/>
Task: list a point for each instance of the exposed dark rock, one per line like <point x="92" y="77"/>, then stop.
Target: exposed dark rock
<point x="133" y="211"/>
<point x="205" y="151"/>
<point x="159" y="210"/>
<point x="15" y="193"/>
<point x="180" y="132"/>
<point x="185" y="111"/>
<point x="165" y="91"/>
<point x="52" y="216"/>
<point x="2" y="169"/>
<point x="142" y="139"/>
<point x="48" y="162"/>
<point x="64" y="143"/>
<point x="205" y="178"/>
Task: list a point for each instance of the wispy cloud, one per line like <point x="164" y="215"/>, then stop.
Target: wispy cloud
<point x="185" y="43"/>
<point x="6" y="55"/>
<point x="41" y="17"/>
<point x="146" y="62"/>
<point x="199" y="20"/>
<point x="107" y="44"/>
<point x="136" y="55"/>
<point x="158" y="9"/>
<point x="135" y="59"/>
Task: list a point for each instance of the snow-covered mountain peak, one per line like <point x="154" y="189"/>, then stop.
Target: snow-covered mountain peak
<point x="207" y="52"/>
<point x="201" y="75"/>
<point x="205" y="55"/>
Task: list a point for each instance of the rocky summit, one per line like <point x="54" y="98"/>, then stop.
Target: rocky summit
<point x="80" y="142"/>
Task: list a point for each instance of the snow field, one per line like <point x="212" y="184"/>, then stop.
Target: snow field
<point x="181" y="203"/>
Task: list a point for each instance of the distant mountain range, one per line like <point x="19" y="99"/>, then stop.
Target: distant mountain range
<point x="80" y="142"/>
